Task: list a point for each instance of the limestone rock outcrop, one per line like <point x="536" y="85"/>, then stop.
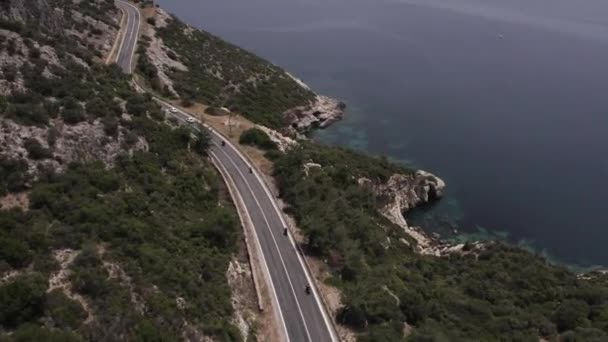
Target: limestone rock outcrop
<point x="82" y="142"/>
<point x="321" y="113"/>
<point x="403" y="192"/>
<point x="284" y="143"/>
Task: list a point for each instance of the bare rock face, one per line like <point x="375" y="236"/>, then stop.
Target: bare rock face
<point x="29" y="11"/>
<point x="407" y="191"/>
<point x="320" y="114"/>
<point x="404" y="192"/>
<point x="83" y="142"/>
<point x="163" y="58"/>
<point x="284" y="143"/>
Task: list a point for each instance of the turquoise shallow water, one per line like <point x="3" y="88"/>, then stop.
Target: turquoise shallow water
<point x="507" y="101"/>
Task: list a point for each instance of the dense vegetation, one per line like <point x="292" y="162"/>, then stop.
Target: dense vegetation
<point x="152" y="238"/>
<point x="13" y="175"/>
<point x="151" y="235"/>
<point x="156" y="215"/>
<point x="497" y="294"/>
<point x="257" y="137"/>
<point x="223" y="75"/>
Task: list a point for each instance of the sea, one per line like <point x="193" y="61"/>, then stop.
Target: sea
<point x="506" y="100"/>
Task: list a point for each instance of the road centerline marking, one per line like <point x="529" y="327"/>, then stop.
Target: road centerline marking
<point x="273" y="240"/>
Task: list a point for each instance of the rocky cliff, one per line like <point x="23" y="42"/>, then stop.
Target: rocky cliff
<point x="30" y="10"/>
<point x="403" y="192"/>
<point x="319" y="114"/>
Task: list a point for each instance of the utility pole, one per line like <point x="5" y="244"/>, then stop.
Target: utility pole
<point x="230" y="124"/>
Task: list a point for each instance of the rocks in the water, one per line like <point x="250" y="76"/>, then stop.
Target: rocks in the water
<point x="320" y="114"/>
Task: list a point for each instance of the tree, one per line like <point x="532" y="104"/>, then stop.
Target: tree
<point x="35" y="150"/>
<point x="257" y="137"/>
<point x="65" y="312"/>
<point x="30" y="332"/>
<point x="353" y="316"/>
<point x="15" y="252"/>
<point x="73" y="116"/>
<point x="110" y="126"/>
<point x="22" y="300"/>
<point x="89" y="278"/>
<point x="202" y="142"/>
<point x="13" y="174"/>
<point x="570" y="314"/>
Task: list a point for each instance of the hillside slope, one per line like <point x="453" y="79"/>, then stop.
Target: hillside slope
<point x="113" y="223"/>
<point x="179" y="60"/>
<point x="391" y="292"/>
<point x="394" y="284"/>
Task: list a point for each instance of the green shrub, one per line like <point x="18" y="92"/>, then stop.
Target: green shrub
<point x="216" y="69"/>
<point x="31" y="332"/>
<point x="51" y="136"/>
<point x="9" y="72"/>
<point x="257" y="137"/>
<point x="14" y="252"/>
<point x="570" y="314"/>
<point x="13" y="175"/>
<point x="73" y="116"/>
<point x="202" y="142"/>
<point x="503" y="291"/>
<point x="110" y="126"/>
<point x="22" y="300"/>
<point x="35" y="150"/>
<point x="89" y="277"/>
<point x="65" y="312"/>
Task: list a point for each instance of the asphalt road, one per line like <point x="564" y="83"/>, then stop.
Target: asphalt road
<point x="301" y="315"/>
<point x="126" y="51"/>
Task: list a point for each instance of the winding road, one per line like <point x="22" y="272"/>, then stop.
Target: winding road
<point x="301" y="316"/>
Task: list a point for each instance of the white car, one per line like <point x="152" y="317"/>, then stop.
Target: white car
<point x="173" y="110"/>
<point x="191" y="120"/>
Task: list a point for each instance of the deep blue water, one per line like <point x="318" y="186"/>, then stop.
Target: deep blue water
<point x="505" y="100"/>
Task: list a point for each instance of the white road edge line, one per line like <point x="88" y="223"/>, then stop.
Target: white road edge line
<point x="223" y="170"/>
<point x="124" y="36"/>
<point x="321" y="306"/>
<point x="138" y="21"/>
<point x="273" y="240"/>
<point x="279" y="213"/>
<point x="118" y="42"/>
<point x="302" y="263"/>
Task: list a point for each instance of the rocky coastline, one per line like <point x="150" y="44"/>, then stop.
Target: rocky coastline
<point x="319" y="114"/>
<point x="400" y="194"/>
<point x="403" y="192"/>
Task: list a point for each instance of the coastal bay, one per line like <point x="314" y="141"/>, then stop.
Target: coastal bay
<point x="506" y="102"/>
